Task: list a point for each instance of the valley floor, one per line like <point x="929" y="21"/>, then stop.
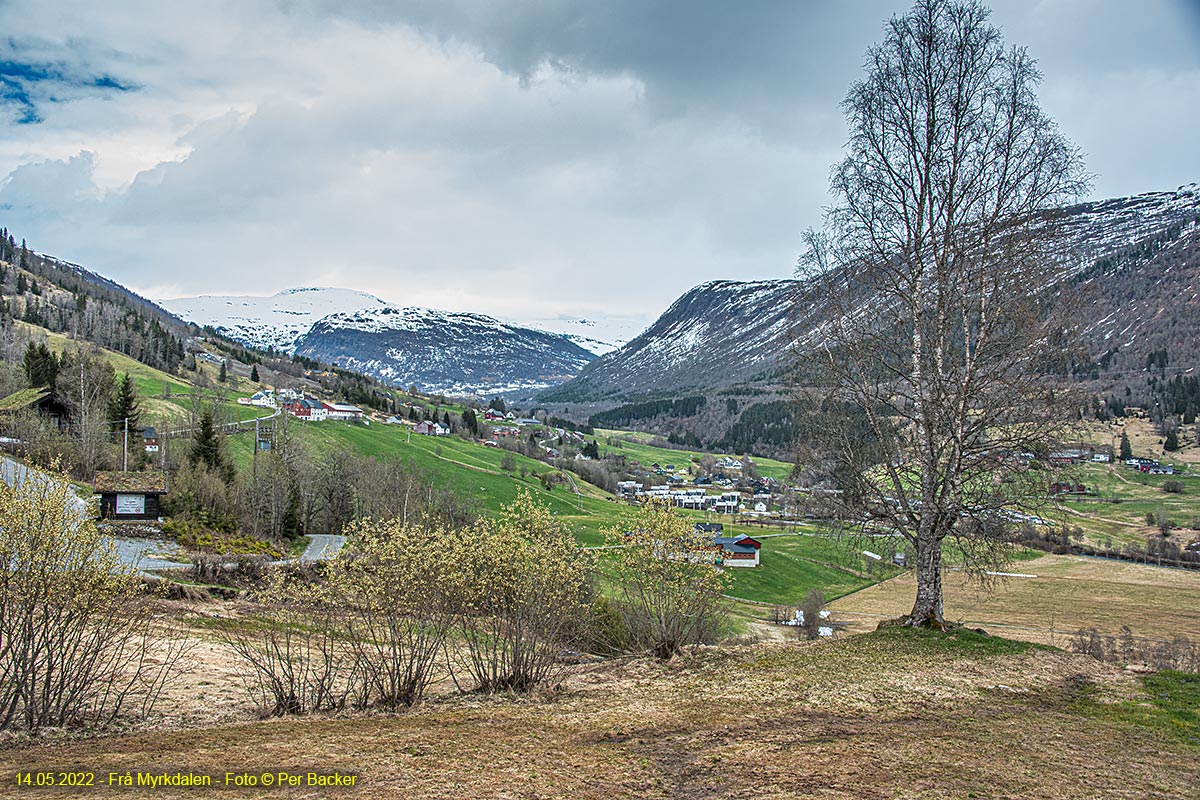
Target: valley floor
<point x="894" y="714"/>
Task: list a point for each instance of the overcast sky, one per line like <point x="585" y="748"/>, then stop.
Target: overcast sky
<point x="524" y="159"/>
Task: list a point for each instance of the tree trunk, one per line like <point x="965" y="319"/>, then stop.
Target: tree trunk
<point x="927" y="610"/>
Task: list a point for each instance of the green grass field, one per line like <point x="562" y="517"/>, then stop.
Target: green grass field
<point x="1117" y="523"/>
<point x="636" y="447"/>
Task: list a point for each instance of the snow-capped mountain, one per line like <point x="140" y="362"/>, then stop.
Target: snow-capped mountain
<point x="1139" y="257"/>
<point x="437" y="350"/>
<point x="717" y="334"/>
<point x="278" y="321"/>
<point x="442" y="351"/>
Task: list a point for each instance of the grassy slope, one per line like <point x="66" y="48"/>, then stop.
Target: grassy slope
<point x="449" y="461"/>
<point x="634" y="446"/>
<point x="1125" y="521"/>
<point x="892" y="714"/>
<point x="153" y="383"/>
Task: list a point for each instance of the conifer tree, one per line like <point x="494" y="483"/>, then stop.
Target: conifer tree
<point x="206" y="448"/>
<point x="125" y="406"/>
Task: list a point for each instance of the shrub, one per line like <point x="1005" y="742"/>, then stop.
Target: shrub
<point x="293" y="661"/>
<point x="391" y="580"/>
<point x="1173" y="487"/>
<point x="811" y="608"/>
<point x="80" y="643"/>
<point x="520" y="590"/>
<point x="669" y="587"/>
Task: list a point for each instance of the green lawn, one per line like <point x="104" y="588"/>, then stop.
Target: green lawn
<point x="791" y="566"/>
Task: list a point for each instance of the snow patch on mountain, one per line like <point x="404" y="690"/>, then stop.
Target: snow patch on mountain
<point x="277" y="321"/>
<point x="444" y="351"/>
<point x="599" y="333"/>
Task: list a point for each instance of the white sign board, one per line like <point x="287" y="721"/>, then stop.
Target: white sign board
<point x="131" y="504"/>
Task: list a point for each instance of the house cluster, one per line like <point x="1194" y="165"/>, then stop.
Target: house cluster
<point x="311" y="409"/>
<point x="1149" y="466"/>
<point x="1083" y="454"/>
<point x="694" y="499"/>
<point x="263" y="399"/>
<point x="492" y="415"/>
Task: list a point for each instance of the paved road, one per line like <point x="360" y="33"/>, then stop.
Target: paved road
<point x="323" y="547"/>
<point x="146" y="554"/>
<point x="14" y="473"/>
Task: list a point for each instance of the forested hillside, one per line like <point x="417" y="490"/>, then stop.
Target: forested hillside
<point x="66" y="298"/>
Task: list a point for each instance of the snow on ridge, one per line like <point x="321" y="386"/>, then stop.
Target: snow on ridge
<point x="277" y="320"/>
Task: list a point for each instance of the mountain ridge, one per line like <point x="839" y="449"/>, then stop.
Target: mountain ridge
<point x="1142" y="253"/>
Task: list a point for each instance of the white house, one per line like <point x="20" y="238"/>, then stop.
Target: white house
<point x="264" y="399"/>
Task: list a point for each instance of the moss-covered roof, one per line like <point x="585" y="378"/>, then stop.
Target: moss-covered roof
<point x="22" y="398"/>
<point x="133" y="482"/>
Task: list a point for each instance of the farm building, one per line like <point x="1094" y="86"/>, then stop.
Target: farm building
<point x="428" y="428"/>
<point x="738" y="551"/>
<point x="130" y="495"/>
<point x="150" y="441"/>
<point x="341" y="411"/>
<point x="307" y="409"/>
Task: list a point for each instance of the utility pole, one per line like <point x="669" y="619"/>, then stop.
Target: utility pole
<point x="125" y="448"/>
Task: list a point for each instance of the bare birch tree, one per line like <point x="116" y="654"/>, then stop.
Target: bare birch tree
<point x="933" y="277"/>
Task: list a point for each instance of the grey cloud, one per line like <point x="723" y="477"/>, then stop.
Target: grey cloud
<point x="513" y="157"/>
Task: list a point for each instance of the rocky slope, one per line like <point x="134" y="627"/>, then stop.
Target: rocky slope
<point x="441" y="351"/>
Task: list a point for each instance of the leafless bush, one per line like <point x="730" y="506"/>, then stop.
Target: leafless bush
<point x="1179" y="653"/>
<point x="228" y="570"/>
<point x="80" y="643"/>
<point x="293" y="659"/>
<point x="811" y="610"/>
<point x="392" y="584"/>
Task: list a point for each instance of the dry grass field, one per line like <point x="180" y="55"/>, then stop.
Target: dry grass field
<point x="1068" y="593"/>
<point x="895" y="714"/>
